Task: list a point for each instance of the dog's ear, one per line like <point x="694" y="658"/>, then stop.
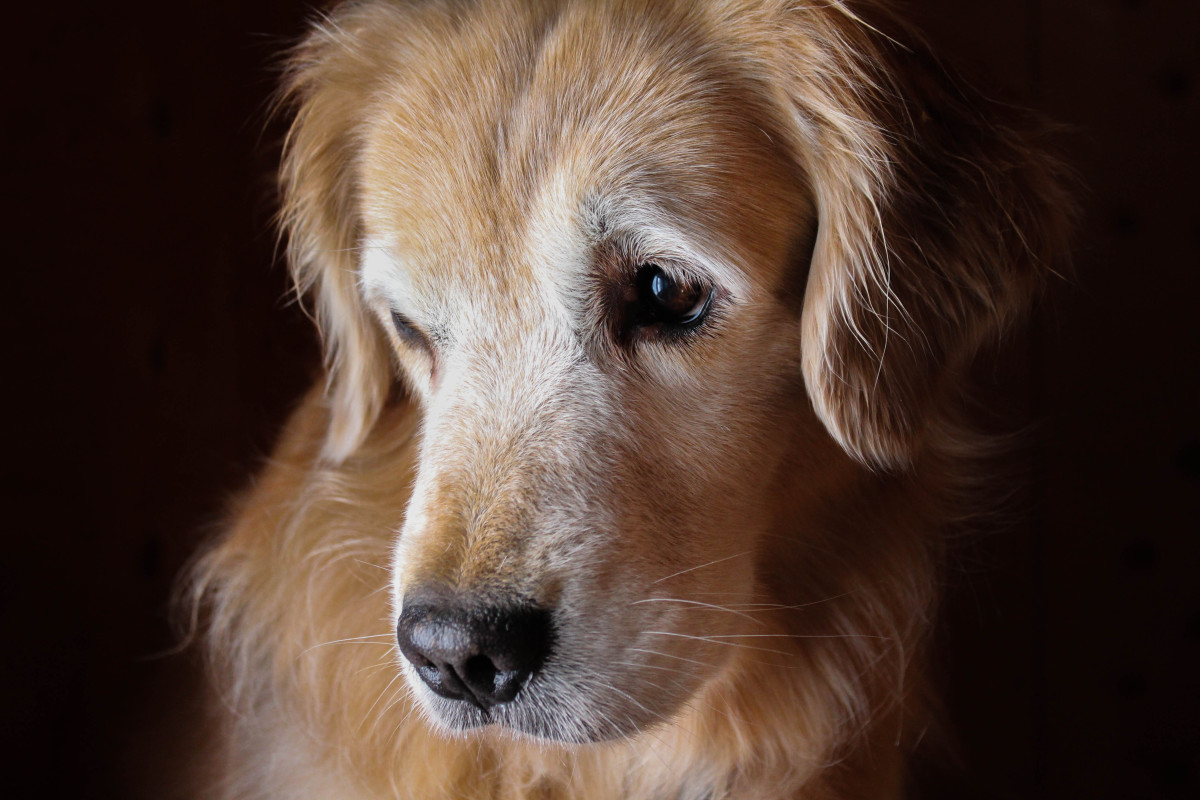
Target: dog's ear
<point x="328" y="92"/>
<point x="937" y="223"/>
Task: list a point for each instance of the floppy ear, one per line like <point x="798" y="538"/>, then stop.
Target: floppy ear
<point x="327" y="88"/>
<point x="937" y="225"/>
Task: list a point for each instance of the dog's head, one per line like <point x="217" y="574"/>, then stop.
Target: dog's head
<point x="657" y="276"/>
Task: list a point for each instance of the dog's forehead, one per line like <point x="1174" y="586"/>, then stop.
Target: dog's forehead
<point x="498" y="155"/>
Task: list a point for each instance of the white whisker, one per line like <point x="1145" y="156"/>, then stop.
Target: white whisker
<point x="391" y="683"/>
<point x="697" y="603"/>
<point x="355" y="639"/>
<point x="702" y="566"/>
<point x="669" y="655"/>
<point x="716" y="641"/>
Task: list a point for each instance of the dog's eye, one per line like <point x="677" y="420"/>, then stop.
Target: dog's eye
<point x="406" y="330"/>
<point x="662" y="298"/>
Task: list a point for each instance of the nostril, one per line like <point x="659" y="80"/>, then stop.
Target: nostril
<point x="479" y="671"/>
<point x="422" y="639"/>
<point x="481" y="655"/>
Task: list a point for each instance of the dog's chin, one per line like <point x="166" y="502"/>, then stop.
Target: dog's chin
<point x="560" y="720"/>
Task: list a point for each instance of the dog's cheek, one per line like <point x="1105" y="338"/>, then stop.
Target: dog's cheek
<point x="700" y="455"/>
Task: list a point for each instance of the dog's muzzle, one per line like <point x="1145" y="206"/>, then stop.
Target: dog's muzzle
<point x="479" y="655"/>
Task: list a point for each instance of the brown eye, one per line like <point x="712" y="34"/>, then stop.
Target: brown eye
<point x="663" y="299"/>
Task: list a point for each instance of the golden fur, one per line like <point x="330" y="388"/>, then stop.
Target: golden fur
<point x="738" y="531"/>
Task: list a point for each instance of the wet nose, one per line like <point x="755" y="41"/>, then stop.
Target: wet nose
<point x="481" y="655"/>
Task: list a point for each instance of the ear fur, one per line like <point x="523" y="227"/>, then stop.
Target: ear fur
<point x="938" y="223"/>
<point x="320" y="214"/>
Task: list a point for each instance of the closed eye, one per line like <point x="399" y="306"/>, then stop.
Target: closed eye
<point x="409" y="333"/>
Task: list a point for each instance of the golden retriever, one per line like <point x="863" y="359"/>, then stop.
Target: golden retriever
<point x="647" y="329"/>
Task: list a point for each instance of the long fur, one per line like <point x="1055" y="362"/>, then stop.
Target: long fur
<point x="742" y="533"/>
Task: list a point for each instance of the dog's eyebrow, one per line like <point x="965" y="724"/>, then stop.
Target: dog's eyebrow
<point x="382" y="274"/>
<point x="696" y="254"/>
<point x="637" y="224"/>
<point x="378" y="268"/>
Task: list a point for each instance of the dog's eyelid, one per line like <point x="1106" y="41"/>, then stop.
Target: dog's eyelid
<point x="679" y="273"/>
<point x="684" y="256"/>
<point x="401" y="321"/>
<point x="410" y="332"/>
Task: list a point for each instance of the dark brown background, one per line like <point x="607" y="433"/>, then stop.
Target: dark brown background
<point x="150" y="356"/>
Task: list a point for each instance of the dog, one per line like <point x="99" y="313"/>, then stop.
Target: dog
<point x="648" y="327"/>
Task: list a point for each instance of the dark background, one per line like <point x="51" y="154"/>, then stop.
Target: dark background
<point x="151" y="353"/>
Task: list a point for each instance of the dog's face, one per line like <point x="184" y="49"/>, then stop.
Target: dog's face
<point x="596" y="308"/>
<point x="604" y="250"/>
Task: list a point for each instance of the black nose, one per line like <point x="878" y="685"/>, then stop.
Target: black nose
<point x="481" y="655"/>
